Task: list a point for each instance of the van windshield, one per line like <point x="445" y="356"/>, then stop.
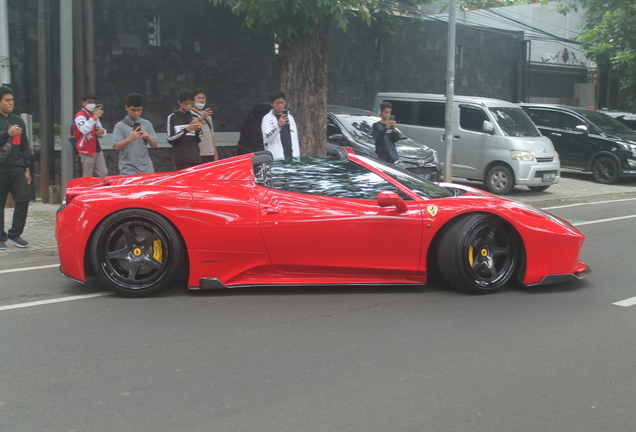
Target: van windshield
<point x="515" y="122"/>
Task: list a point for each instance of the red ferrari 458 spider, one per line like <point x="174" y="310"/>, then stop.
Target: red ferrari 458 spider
<point x="249" y="221"/>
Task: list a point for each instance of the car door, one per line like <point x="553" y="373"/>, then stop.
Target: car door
<point x="575" y="147"/>
<point x="473" y="149"/>
<point x="326" y="219"/>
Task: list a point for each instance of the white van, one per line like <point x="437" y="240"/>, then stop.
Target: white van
<point x="495" y="141"/>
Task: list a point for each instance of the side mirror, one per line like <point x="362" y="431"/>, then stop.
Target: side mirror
<point x="388" y="199"/>
<point x="488" y="127"/>
<point x="338" y="138"/>
<point x="581" y="128"/>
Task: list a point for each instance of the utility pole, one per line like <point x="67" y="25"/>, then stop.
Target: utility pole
<point x="44" y="86"/>
<point x="5" y="56"/>
<point x="66" y="86"/>
<point x="450" y="93"/>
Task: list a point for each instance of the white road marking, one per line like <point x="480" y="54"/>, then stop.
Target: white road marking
<point x="604" y="220"/>
<point x="627" y="302"/>
<point x="590" y="203"/>
<point x="29" y="268"/>
<point x="57" y="300"/>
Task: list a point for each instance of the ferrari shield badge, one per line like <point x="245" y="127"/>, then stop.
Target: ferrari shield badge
<point x="432" y="210"/>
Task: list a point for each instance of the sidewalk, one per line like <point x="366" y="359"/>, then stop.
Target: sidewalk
<point x="40" y="226"/>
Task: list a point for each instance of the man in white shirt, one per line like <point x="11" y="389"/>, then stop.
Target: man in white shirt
<point x="280" y="135"/>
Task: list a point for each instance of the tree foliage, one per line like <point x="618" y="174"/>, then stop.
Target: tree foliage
<point x="609" y="38"/>
<point x="289" y="19"/>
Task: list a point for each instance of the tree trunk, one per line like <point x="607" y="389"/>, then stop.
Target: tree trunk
<point x="303" y="78"/>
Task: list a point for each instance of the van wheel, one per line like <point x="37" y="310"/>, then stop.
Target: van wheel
<point x="538" y="188"/>
<point x="500" y="180"/>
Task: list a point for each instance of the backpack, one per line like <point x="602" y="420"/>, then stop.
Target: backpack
<point x="71" y="137"/>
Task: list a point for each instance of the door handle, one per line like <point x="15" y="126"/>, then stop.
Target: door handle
<point x="270" y="210"/>
<point x="555" y="134"/>
<point x="456" y="137"/>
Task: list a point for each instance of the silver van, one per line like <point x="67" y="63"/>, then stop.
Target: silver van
<point x="495" y="141"/>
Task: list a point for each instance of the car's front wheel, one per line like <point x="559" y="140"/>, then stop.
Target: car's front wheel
<point x="500" y="180"/>
<point x="605" y="170"/>
<point x="478" y="253"/>
<point x="136" y="252"/>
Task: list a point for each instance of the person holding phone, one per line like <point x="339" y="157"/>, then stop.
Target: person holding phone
<point x="87" y="130"/>
<point x="386" y="135"/>
<point x="184" y="133"/>
<point x="280" y="135"/>
<point x="14" y="170"/>
<point x="204" y="113"/>
<point x="132" y="136"/>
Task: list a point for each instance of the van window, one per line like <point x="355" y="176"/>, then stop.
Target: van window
<point x="402" y="111"/>
<point x="431" y="114"/>
<point x="471" y="118"/>
<point x="514" y="122"/>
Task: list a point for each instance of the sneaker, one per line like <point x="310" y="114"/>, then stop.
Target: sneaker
<point x="3" y="245"/>
<point x="18" y="241"/>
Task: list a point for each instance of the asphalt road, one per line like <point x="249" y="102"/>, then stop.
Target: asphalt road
<point x="552" y="358"/>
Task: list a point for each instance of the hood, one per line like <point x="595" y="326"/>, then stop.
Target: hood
<point x="627" y="137"/>
<point x="540" y="147"/>
<point x="413" y="150"/>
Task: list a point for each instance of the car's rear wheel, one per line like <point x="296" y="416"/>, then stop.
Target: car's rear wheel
<point x="478" y="253"/>
<point x="500" y="180"/>
<point x="605" y="170"/>
<point x="136" y="253"/>
<point x="538" y="188"/>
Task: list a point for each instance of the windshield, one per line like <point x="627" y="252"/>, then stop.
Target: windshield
<point x="361" y="126"/>
<point x="421" y="187"/>
<point x="515" y="122"/>
<point x="606" y="123"/>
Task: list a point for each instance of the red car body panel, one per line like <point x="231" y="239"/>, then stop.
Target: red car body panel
<point x="241" y="233"/>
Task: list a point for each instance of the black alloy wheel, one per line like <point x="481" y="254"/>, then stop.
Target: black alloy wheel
<point x="605" y="170"/>
<point x="136" y="253"/>
<point x="478" y="253"/>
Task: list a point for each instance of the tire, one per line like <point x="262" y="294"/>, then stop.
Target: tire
<point x="136" y="253"/>
<point x="538" y="188"/>
<point x="478" y="254"/>
<point x="605" y="170"/>
<point x="500" y="180"/>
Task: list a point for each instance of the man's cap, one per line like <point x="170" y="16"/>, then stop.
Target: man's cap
<point x="89" y="95"/>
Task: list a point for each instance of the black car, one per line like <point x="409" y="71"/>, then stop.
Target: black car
<point x="348" y="127"/>
<point x="587" y="140"/>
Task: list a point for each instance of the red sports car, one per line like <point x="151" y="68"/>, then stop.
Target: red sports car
<point x="250" y="221"/>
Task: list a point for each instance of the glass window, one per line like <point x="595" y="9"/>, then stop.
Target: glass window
<point x="431" y="114"/>
<point x="472" y="118"/>
<point x="402" y="111"/>
<point x="513" y="121"/>
<point x="544" y="118"/>
<point x="330" y="177"/>
<point x="606" y="123"/>
<point x="332" y="128"/>
<point x="568" y="122"/>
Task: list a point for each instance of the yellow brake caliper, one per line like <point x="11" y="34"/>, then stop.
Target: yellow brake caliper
<point x="157" y="250"/>
<point x="471" y="260"/>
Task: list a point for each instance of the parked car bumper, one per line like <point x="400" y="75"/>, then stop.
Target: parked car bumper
<point x="532" y="174"/>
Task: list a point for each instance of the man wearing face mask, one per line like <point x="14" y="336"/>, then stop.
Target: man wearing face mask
<point x="86" y="130"/>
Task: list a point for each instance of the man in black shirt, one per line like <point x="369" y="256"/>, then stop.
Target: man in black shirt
<point x="14" y="170"/>
<point x="184" y="133"/>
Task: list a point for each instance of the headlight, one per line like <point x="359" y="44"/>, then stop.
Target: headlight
<point x="521" y="155"/>
<point x="556" y="155"/>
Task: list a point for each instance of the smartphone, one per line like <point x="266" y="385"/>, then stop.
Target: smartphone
<point x="135" y="126"/>
<point x="392" y="118"/>
<point x="285" y="112"/>
<point x="99" y="106"/>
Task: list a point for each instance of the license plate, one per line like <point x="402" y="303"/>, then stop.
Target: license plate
<point x="549" y="177"/>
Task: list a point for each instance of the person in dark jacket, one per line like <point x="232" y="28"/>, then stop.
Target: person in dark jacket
<point x="184" y="134"/>
<point x="385" y="135"/>
<point x="14" y="171"/>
